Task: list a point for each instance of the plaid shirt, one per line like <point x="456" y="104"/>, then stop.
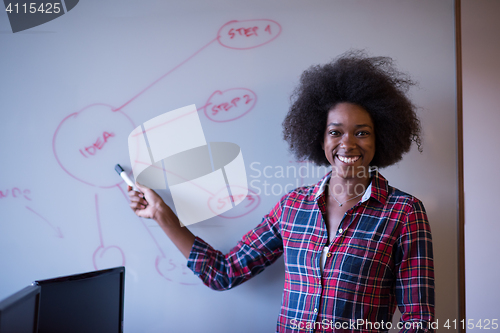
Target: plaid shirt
<point x="381" y="257"/>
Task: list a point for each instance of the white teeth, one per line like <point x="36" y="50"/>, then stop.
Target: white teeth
<point x="348" y="159"/>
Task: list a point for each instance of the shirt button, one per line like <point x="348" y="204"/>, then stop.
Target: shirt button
<point x="315" y="310"/>
<point x="328" y="254"/>
<point x="341" y="230"/>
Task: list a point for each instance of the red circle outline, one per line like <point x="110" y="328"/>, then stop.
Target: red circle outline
<point x="207" y="104"/>
<point x="75" y="114"/>
<point x="251" y="47"/>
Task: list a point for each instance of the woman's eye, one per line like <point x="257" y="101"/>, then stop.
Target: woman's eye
<point x="362" y="133"/>
<point x="334" y="132"/>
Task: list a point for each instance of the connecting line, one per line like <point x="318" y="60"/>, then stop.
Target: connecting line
<point x="145" y="226"/>
<point x="56" y="229"/>
<point x="164" y="75"/>
<point x="98" y="221"/>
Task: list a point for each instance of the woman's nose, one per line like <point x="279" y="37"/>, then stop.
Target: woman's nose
<point x="347" y="141"/>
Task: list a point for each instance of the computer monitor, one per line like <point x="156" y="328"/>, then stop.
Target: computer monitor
<point x="89" y="302"/>
<point x="19" y="312"/>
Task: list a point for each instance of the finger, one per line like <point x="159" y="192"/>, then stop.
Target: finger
<point x="146" y="192"/>
<point x="137" y="206"/>
<point x="139" y="200"/>
<point x="140" y="186"/>
<point x="134" y="196"/>
<point x="143" y="188"/>
<point x="133" y="193"/>
<point x="129" y="188"/>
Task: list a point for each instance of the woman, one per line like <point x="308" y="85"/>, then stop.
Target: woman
<point x="354" y="247"/>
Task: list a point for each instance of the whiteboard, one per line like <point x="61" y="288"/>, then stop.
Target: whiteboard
<point x="74" y="88"/>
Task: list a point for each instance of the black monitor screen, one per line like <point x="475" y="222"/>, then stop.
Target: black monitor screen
<point x="89" y="302"/>
<point x="19" y="312"/>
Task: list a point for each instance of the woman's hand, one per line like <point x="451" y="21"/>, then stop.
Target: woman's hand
<point x="148" y="204"/>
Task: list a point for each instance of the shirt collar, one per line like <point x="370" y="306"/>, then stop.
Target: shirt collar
<point x="378" y="188"/>
<point x="322" y="185"/>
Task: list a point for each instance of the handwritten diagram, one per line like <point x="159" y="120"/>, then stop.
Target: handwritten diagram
<point x="85" y="143"/>
<point x="25" y="194"/>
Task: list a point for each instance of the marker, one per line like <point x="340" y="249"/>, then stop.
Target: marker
<point x="125" y="177"/>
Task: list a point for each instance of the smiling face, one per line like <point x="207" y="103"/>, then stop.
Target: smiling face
<point x="349" y="140"/>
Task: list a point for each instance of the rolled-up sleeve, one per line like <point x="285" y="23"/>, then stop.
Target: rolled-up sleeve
<point x="257" y="249"/>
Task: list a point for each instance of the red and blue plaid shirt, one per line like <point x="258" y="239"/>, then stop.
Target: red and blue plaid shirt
<point x="381" y="257"/>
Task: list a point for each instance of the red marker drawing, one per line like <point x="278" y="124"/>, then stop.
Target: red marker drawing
<point x="56" y="229"/>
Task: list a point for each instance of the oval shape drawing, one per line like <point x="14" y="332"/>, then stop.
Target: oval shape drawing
<point x="217" y="203"/>
<point x="230" y="104"/>
<point x="174" y="271"/>
<point x="87" y="144"/>
<point x="104" y="258"/>
<point x="247" y="34"/>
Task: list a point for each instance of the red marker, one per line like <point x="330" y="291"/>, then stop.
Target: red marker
<point x="125" y="177"/>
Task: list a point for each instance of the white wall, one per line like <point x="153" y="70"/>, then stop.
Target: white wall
<point x="481" y="101"/>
